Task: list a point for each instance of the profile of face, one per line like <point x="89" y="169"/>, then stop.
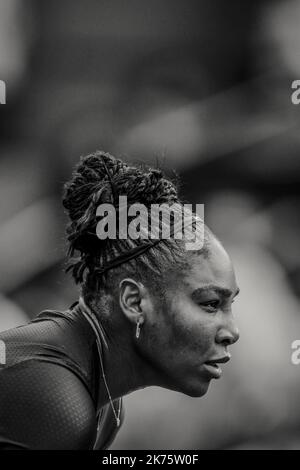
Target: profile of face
<point x="187" y="339"/>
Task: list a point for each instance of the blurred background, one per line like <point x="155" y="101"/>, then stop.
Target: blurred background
<point x="203" y="87"/>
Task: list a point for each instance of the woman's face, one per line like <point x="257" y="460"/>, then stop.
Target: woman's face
<point x="188" y="336"/>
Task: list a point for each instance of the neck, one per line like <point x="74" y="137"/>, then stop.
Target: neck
<point x="125" y="371"/>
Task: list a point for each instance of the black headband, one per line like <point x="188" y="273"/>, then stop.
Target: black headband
<point x="131" y="254"/>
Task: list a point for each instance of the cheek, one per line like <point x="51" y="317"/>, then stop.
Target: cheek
<point x="191" y="331"/>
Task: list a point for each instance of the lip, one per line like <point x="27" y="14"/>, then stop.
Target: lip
<point x="213" y="368"/>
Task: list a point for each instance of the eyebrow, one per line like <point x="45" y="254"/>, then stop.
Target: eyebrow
<point x="219" y="290"/>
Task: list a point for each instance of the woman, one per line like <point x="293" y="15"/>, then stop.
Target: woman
<point x="149" y="313"/>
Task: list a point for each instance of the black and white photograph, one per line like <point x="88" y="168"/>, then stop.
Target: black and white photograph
<point x="149" y="227"/>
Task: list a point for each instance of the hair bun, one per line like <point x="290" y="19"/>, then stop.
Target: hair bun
<point x="91" y="183"/>
<point x="101" y="178"/>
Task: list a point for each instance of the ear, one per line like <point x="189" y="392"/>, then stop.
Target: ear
<point x="134" y="300"/>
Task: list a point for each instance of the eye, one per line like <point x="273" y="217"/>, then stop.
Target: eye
<point x="211" y="306"/>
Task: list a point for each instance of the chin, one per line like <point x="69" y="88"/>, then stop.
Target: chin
<point x="195" y="389"/>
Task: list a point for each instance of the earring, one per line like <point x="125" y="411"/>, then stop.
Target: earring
<point x="138" y="329"/>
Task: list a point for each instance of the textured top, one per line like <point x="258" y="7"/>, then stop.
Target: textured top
<point x="49" y="386"/>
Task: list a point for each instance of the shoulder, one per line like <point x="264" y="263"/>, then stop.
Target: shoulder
<point x="46" y="406"/>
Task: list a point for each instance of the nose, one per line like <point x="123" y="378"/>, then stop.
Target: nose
<point x="228" y="334"/>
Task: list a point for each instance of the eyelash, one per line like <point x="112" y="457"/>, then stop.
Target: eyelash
<point x="213" y="305"/>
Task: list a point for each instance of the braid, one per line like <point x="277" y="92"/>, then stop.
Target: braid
<point x="100" y="178"/>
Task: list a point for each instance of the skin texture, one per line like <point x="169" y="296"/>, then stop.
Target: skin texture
<point x="198" y="326"/>
<point x="178" y="334"/>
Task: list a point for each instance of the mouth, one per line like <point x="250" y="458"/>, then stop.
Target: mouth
<point x="213" y="368"/>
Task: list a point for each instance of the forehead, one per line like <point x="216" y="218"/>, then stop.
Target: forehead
<point x="214" y="269"/>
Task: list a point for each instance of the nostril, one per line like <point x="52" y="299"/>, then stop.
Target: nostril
<point x="227" y="335"/>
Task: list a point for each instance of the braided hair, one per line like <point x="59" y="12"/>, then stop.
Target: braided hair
<point x="101" y="178"/>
